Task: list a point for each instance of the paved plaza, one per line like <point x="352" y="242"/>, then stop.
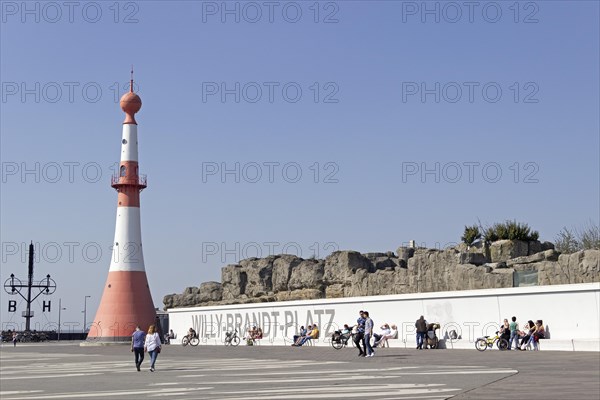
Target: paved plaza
<point x="68" y="371"/>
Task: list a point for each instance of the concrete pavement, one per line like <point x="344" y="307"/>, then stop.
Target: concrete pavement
<point x="68" y="371"/>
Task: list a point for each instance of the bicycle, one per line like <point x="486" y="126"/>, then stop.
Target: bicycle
<point x="339" y="340"/>
<point x="232" y="338"/>
<point x="194" y="341"/>
<point x="486" y="342"/>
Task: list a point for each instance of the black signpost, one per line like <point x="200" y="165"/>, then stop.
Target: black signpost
<point x="14" y="285"/>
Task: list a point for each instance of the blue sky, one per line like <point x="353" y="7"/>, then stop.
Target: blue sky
<point x="364" y="131"/>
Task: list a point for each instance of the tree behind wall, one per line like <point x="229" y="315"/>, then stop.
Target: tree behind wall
<point x="586" y="237"/>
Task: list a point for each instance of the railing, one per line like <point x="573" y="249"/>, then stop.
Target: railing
<point x="141" y="181"/>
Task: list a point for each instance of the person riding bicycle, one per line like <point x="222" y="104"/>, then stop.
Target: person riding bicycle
<point x="346" y="332"/>
<point x="191" y="334"/>
<point x="342" y="334"/>
<point x="505" y="330"/>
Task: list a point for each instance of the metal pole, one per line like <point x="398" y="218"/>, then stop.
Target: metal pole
<point x="59" y="310"/>
<point x="30" y="283"/>
<point x="85" y="311"/>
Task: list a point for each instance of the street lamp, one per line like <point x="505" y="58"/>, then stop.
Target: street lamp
<point x="60" y="308"/>
<point x="85" y="311"/>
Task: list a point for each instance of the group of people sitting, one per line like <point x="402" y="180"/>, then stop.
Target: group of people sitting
<point x="253" y="334"/>
<point x="529" y="335"/>
<point x="310" y="333"/>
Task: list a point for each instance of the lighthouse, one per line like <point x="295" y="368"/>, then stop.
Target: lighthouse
<point x="126" y="300"/>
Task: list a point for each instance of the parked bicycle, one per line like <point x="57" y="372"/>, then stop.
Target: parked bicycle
<point x="232" y="338"/>
<point x="486" y="342"/>
<point x="26" y="336"/>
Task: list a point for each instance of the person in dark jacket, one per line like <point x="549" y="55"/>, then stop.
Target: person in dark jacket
<point x="360" y="334"/>
<point x="137" y="346"/>
<point x="421" y="326"/>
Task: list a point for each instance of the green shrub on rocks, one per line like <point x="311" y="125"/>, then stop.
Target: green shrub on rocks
<point x="471" y="235"/>
<point x="510" y="230"/>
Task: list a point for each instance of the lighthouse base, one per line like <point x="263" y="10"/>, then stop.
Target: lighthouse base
<point x="126" y="303"/>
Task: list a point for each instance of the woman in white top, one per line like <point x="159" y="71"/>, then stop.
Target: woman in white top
<point x="152" y="345"/>
<point x="387" y="333"/>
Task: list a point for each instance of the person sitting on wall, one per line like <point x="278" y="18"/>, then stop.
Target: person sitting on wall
<point x="385" y="331"/>
<point x="529" y="329"/>
<point x="302" y="338"/>
<point x="539" y="333"/>
<point x="312" y="335"/>
<point x="300" y="334"/>
<point x="257" y="334"/>
<point x="169" y="336"/>
<point x="250" y="333"/>
<point x="393" y="334"/>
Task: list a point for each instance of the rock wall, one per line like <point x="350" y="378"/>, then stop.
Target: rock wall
<point x="409" y="270"/>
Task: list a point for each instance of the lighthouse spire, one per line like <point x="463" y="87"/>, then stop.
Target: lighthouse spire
<point x="131" y="80"/>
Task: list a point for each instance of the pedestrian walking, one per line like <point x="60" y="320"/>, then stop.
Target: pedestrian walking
<point x="152" y="345"/>
<point x="137" y="346"/>
<point x="514" y="333"/>
<point x="421" y="326"/>
<point x="368" y="334"/>
<point x="14" y="338"/>
<point x="360" y="333"/>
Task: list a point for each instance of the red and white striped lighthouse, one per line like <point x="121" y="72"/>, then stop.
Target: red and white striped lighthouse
<point x="126" y="300"/>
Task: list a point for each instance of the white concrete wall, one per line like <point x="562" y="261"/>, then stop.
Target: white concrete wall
<point x="571" y="315"/>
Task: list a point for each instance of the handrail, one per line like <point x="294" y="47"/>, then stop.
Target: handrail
<point x="117" y="180"/>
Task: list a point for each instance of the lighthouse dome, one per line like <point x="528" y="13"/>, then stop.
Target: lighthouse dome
<point x="131" y="103"/>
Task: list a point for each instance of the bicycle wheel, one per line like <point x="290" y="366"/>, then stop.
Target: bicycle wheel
<point x="195" y="341"/>
<point x="185" y="341"/>
<point x="235" y="341"/>
<point x="337" y="344"/>
<point x="481" y="344"/>
<point x="502" y="344"/>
